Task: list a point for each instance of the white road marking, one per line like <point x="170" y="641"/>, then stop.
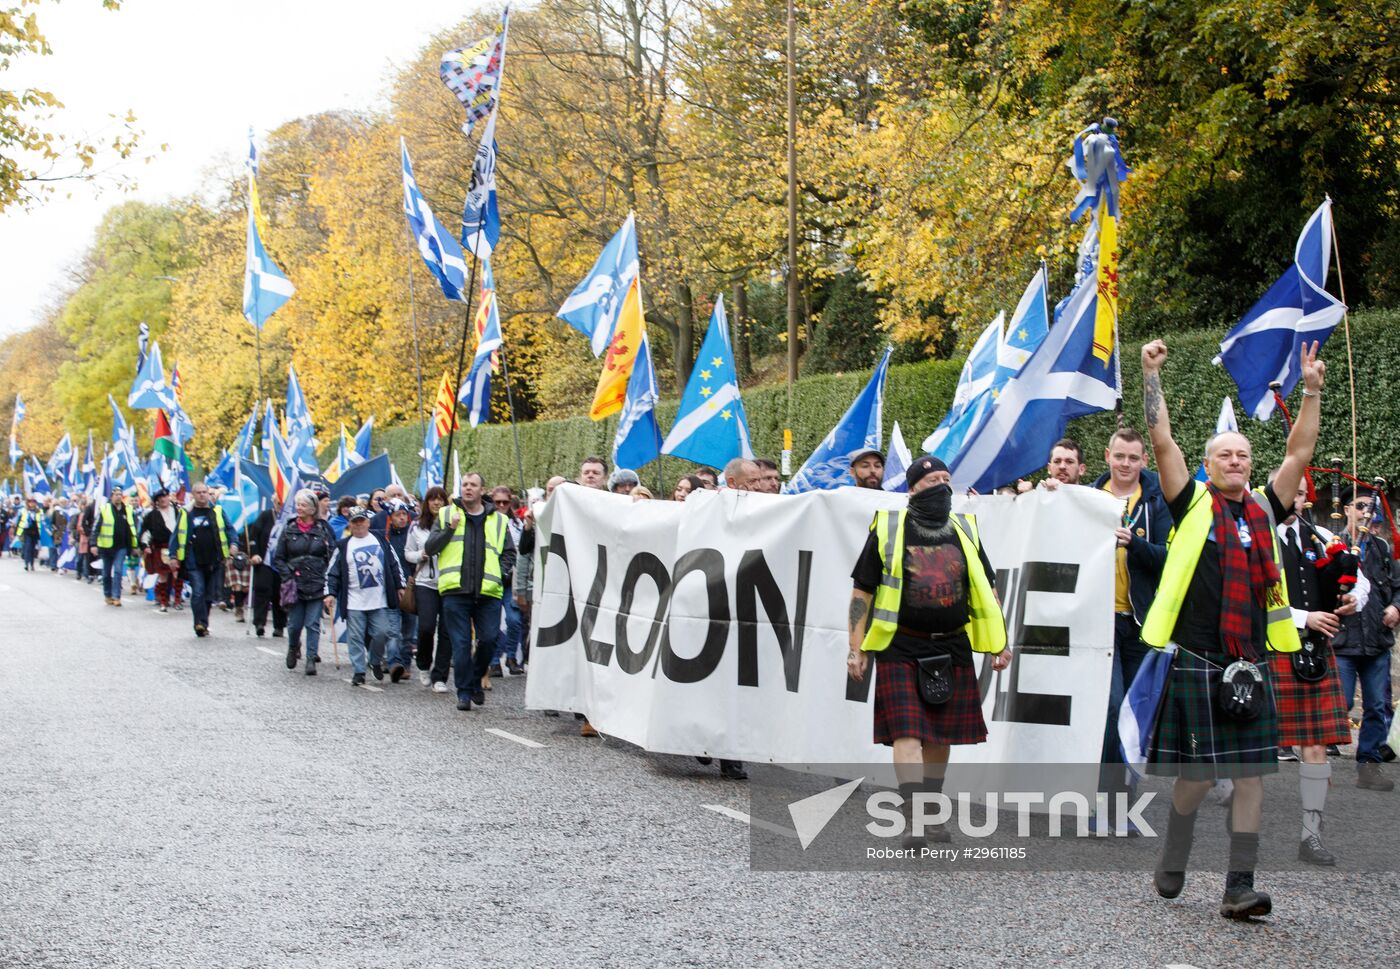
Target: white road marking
<point x="522" y="741"/>
<point x="1178" y="965"/>
<point x="743" y="818"/>
<point x="366" y="686"/>
<point x="5" y="588"/>
<point x="270" y="652"/>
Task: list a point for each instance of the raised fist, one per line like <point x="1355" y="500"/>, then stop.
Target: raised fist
<point x="1154" y="354"/>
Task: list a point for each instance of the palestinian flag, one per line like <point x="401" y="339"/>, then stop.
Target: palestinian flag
<point x="167" y="444"/>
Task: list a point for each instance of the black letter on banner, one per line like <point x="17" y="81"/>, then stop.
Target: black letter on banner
<point x="563" y="630"/>
<point x="643" y="563"/>
<point x="756" y="579"/>
<point x="677" y="669"/>
<point x="597" y="652"/>
<point x="1015" y="705"/>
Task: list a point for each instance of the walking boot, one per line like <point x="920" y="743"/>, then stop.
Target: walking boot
<point x="1170" y="877"/>
<point x="1240" y="900"/>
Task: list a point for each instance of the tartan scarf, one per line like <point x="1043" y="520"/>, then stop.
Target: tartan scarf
<point x="1245" y="573"/>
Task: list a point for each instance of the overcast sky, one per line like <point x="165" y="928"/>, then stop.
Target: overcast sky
<point x="196" y="73"/>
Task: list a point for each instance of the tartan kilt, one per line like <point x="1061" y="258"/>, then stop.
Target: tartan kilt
<point x="1309" y="714"/>
<point x="900" y="712"/>
<point x="1193" y="739"/>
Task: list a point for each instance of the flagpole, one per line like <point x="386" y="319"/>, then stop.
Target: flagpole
<point x="510" y="400"/>
<point x="461" y="364"/>
<point x="1346" y="326"/>
<point x="417" y="360"/>
<point x="257" y="337"/>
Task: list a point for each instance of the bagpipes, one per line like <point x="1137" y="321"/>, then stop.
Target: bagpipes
<point x="1380" y="513"/>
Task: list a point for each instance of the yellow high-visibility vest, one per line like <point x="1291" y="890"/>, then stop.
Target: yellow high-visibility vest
<point x="182" y="532"/>
<point x="107" y="525"/>
<point x="1184" y="544"/>
<point x="986" y="628"/>
<point x="449" y="560"/>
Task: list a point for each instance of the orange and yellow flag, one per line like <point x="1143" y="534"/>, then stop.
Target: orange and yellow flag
<point x="622" y="353"/>
<point x="1106" y="309"/>
<point x="445" y="408"/>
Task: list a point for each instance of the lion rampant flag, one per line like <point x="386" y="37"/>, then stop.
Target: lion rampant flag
<point x="445" y="408"/>
<point x="621" y="355"/>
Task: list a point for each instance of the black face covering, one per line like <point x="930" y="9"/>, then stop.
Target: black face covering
<point x="932" y="506"/>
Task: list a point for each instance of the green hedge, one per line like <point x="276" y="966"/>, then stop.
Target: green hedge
<point x="918" y="395"/>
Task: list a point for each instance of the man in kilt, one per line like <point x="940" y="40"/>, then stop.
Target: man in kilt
<point x="923" y="602"/>
<point x="1312" y="713"/>
<point x="1222" y="602"/>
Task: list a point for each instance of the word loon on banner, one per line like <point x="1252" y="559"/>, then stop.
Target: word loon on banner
<point x="717" y="626"/>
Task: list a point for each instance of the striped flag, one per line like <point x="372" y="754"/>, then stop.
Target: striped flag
<point x="445" y="408"/>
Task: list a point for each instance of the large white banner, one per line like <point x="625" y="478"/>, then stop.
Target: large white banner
<point x="717" y="626"/>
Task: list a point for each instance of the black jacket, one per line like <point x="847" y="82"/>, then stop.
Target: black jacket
<point x="474" y="552"/>
<point x="338" y="578"/>
<point x="1147" y="549"/>
<point x="1364" y="634"/>
<point x="305" y="556"/>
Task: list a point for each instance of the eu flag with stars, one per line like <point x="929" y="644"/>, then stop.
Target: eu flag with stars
<point x="711" y="427"/>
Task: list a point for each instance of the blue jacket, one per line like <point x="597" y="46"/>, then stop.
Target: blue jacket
<point x="338" y="576"/>
<point x="1147" y="550"/>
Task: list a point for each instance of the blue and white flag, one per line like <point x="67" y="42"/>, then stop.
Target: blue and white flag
<point x="440" y="251"/>
<point x="265" y="288"/>
<point x="977" y="379"/>
<point x="73" y="477"/>
<point x="475" y="391"/>
<point x="123" y="448"/>
<point x="481" y="218"/>
<point x="251" y="163"/>
<point x="1138" y="713"/>
<point x="298" y="415"/>
<point x="1029" y="325"/>
<point x="829" y="466"/>
<point x="638" y="438"/>
<point x="301" y="449"/>
<point x="150" y="391"/>
<point x="711" y="427"/>
<point x="243" y="500"/>
<point x="62" y="455"/>
<point x="89" y="469"/>
<point x="473" y="74"/>
<point x="222" y="473"/>
<point x="143" y="337"/>
<point x="594" y="305"/>
<point x="243" y="443"/>
<point x="35" y="483"/>
<point x="430" y="471"/>
<point x="1063" y="379"/>
<point x="1225" y="422"/>
<point x="1264" y="346"/>
<point x="363" y="438"/>
<point x="897" y="462"/>
<point x="269" y="428"/>
<point x="19" y="410"/>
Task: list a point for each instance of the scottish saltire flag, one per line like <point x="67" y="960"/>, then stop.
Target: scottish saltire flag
<point x="829" y="466"/>
<point x="243" y="443"/>
<point x="430" y="471"/>
<point x="363" y="437"/>
<point x="297" y="414"/>
<point x="1062" y="380"/>
<point x="897" y="462"/>
<point x="265" y="288"/>
<point x="440" y="251"/>
<point x="62" y="454"/>
<point x="222" y="473"/>
<point x="73" y="477"/>
<point x="1264" y="346"/>
<point x="638" y="438"/>
<point x="242" y="502"/>
<point x="473" y="74"/>
<point x="124" y="443"/>
<point x="481" y="217"/>
<point x="89" y="468"/>
<point x="35" y="482"/>
<point x="143" y="337"/>
<point x="475" y="391"/>
<point x="711" y="427"/>
<point x="1225" y="422"/>
<point x="67" y="554"/>
<point x="595" y="304"/>
<point x="149" y="391"/>
<point x="19" y="410"/>
<point x="301" y="447"/>
<point x="1138" y="713"/>
<point x="977" y="379"/>
<point x="251" y="162"/>
<point x="1027" y="329"/>
<point x="16" y="452"/>
<point x="269" y="429"/>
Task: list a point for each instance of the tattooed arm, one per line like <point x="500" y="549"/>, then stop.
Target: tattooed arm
<point x="859" y="621"/>
<point x="1171" y="464"/>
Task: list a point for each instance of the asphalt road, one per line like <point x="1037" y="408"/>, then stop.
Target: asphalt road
<point x="169" y="801"/>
